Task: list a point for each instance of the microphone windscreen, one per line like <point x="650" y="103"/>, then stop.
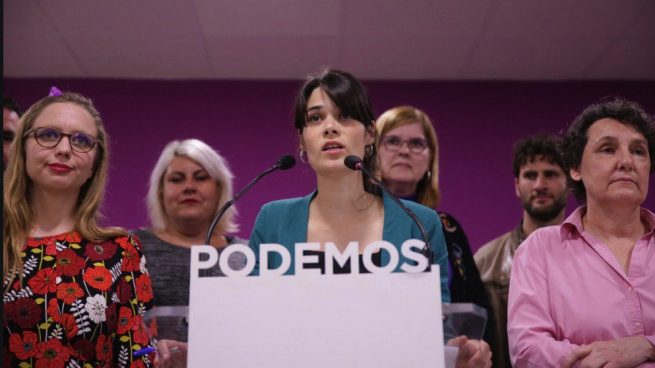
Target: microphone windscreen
<point x="352" y="162"/>
<point x="286" y="162"/>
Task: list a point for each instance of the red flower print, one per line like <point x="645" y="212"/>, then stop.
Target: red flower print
<point x="103" y="348"/>
<point x="84" y="349"/>
<point x="68" y="321"/>
<point x="37" y="242"/>
<point x="53" y="310"/>
<point x="124" y="291"/>
<point x="125" y="321"/>
<point x="131" y="259"/>
<point x="110" y="316"/>
<point x="125" y="242"/>
<point x="100" y="252"/>
<point x="72" y="237"/>
<point x="69" y="291"/>
<point x="137" y="364"/>
<point x="45" y="281"/>
<point x="69" y="263"/>
<point x="52" y="354"/>
<point x="98" y="277"/>
<point x="24" y="312"/>
<point x="25" y="346"/>
<point x="141" y="338"/>
<point x="51" y="249"/>
<point x="153" y="327"/>
<point x="140" y="332"/>
<point x="144" y="288"/>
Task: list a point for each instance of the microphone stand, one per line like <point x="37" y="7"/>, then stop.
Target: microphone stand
<point x="355" y="163"/>
<point x="286" y="162"/>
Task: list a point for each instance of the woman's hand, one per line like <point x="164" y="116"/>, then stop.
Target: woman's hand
<point x="171" y="354"/>
<point x="623" y="352"/>
<point x="472" y="353"/>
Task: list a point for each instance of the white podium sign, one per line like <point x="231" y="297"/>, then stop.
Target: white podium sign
<point x="348" y="320"/>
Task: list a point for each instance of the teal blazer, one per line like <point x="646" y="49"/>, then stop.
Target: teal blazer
<point x="285" y="222"/>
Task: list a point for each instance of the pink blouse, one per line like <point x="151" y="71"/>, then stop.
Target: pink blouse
<point x="567" y="289"/>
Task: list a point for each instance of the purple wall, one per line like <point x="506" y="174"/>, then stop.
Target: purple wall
<point x="250" y="123"/>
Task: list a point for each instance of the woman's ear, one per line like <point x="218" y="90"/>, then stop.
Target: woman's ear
<point x="370" y="134"/>
<point x="575" y="174"/>
<point x="301" y="141"/>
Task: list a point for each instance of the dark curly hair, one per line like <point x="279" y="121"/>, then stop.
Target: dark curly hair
<point x="352" y="99"/>
<point x="541" y="146"/>
<point x="573" y="142"/>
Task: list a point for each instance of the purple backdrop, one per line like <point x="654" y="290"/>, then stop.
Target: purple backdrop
<point x="250" y="123"/>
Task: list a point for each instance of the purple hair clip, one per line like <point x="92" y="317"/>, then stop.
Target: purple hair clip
<point x="54" y="91"/>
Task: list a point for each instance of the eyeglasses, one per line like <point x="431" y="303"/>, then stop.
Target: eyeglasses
<point x="50" y="137"/>
<point x="8" y="136"/>
<point x="415" y="145"/>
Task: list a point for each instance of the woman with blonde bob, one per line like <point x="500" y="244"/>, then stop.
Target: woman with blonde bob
<point x="409" y="164"/>
<point x="74" y="292"/>
<point x="423" y="186"/>
<point x="188" y="185"/>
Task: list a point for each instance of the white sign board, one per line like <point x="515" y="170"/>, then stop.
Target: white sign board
<point x="348" y="320"/>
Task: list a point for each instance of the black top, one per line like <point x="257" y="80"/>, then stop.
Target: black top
<point x="466" y="285"/>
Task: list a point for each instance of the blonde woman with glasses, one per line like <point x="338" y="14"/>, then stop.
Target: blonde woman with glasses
<point x="74" y="292"/>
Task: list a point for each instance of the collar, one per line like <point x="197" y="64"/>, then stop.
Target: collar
<point x="572" y="226"/>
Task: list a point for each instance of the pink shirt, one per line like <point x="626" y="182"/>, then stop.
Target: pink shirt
<point x="567" y="289"/>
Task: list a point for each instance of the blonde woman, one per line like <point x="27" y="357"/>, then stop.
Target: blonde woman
<point x="74" y="292"/>
<point x="188" y="185"/>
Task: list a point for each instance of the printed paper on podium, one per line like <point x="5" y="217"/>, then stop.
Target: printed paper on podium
<point x="353" y="320"/>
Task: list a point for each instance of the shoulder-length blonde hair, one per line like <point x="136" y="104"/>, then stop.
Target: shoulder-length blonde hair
<point x="17" y="211"/>
<point x="215" y="165"/>
<point x="427" y="190"/>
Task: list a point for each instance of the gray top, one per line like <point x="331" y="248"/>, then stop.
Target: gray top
<point x="169" y="267"/>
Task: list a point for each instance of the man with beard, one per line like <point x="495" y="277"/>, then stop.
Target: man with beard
<point x="540" y="184"/>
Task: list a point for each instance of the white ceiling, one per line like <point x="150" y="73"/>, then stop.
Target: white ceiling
<point x="288" y="39"/>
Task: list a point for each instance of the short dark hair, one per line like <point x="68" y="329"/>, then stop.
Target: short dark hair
<point x="536" y="147"/>
<point x="573" y="142"/>
<point x="351" y="98"/>
<point x="11" y="105"/>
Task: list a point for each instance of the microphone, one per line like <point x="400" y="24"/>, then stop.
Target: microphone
<point x="283" y="163"/>
<point x="355" y="163"/>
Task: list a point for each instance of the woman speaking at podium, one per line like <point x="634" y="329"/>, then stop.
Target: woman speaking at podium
<point x="334" y="119"/>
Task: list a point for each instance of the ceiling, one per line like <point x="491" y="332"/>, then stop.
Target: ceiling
<point x="288" y="39"/>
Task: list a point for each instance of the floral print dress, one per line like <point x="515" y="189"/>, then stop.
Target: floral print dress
<point x="80" y="304"/>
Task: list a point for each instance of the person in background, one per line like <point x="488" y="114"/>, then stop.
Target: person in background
<point x="74" y="292"/>
<point x="409" y="165"/>
<point x="583" y="293"/>
<point x="540" y="185"/>
<point x="10" y="115"/>
<point x="334" y="119"/>
<point x="188" y="185"/>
